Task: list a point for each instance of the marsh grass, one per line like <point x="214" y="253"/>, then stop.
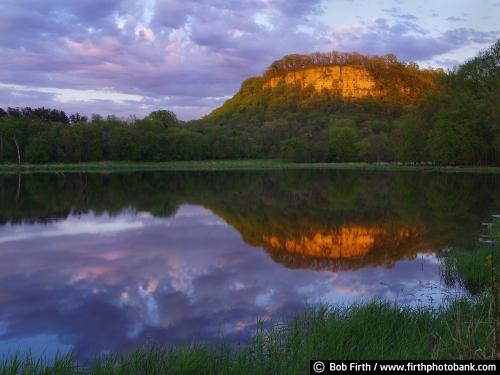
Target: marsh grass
<point x="478" y="272"/>
<point x="461" y="330"/>
<point x="469" y="269"/>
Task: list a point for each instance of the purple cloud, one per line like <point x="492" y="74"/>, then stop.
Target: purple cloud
<point x="408" y="16"/>
<point x="382" y="37"/>
<point x="393" y="10"/>
<point x="188" y="50"/>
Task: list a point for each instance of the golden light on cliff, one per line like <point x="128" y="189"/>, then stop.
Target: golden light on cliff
<point x="348" y="81"/>
<point x="350" y="241"/>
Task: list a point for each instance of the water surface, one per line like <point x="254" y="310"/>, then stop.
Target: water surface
<point x="94" y="263"/>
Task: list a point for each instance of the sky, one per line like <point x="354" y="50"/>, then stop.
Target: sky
<point x="131" y="57"/>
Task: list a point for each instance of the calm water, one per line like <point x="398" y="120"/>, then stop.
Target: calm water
<point x="91" y="263"/>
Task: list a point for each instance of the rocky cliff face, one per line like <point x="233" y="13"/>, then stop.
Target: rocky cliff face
<point x="347" y="81"/>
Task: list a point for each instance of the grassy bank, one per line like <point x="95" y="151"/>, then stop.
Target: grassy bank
<point x="470" y="269"/>
<point x="478" y="270"/>
<point x="461" y="330"/>
<point x="257" y="164"/>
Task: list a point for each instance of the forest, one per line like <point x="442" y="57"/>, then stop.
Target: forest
<point x="455" y="121"/>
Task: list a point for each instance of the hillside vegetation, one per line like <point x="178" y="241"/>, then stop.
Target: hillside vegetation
<point x="331" y="107"/>
<point x="321" y="81"/>
<point x="408" y="115"/>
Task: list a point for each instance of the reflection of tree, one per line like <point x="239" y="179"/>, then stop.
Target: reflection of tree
<point x="287" y="205"/>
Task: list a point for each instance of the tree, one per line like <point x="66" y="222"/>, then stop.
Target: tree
<point x="16" y="142"/>
<point x="466" y="114"/>
<point x="163" y="117"/>
<point x="455" y="142"/>
<point x="343" y="144"/>
<point x="14" y="130"/>
<point x="375" y="148"/>
<point x="409" y="139"/>
<point x="75" y="118"/>
<point x="38" y="150"/>
<point x="297" y="149"/>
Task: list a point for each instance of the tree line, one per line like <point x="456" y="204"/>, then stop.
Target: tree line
<point x="48" y="136"/>
<point x="457" y="123"/>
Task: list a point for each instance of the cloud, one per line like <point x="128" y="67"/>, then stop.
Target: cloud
<point x="185" y="48"/>
<point x="393" y="10"/>
<point x="406" y="39"/>
<point x="454" y="19"/>
<point x="71" y="95"/>
<point x="408" y="16"/>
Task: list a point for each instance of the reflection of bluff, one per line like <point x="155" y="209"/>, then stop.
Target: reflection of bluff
<point x="315" y="219"/>
<point x="306" y="243"/>
<point x="347" y="247"/>
<point x="344" y="242"/>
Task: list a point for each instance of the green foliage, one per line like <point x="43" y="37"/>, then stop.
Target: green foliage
<point x="469" y="268"/>
<point x="343" y="144"/>
<point x="38" y="150"/>
<point x="465" y="115"/>
<point x="440" y="118"/>
<point x="296" y="149"/>
<point x="375" y="148"/>
<point x="402" y="84"/>
<point x="162" y="117"/>
<point x="409" y="139"/>
<point x="453" y="142"/>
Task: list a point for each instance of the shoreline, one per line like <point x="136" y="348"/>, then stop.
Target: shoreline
<point x="461" y="330"/>
<point x="230" y="165"/>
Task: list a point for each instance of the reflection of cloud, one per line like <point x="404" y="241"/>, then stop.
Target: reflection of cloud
<point x="152" y="315"/>
<point x="70" y="227"/>
<point x="41" y="346"/>
<point x="192" y="211"/>
<point x="149" y="289"/>
<point x="91" y="272"/>
<point x="165" y="282"/>
<point x="263" y="299"/>
<point x="3" y="328"/>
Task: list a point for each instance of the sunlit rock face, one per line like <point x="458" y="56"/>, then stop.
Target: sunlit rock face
<point x="347" y="81"/>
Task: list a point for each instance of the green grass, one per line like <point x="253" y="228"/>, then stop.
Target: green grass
<point x="256" y="164"/>
<point x="462" y="330"/>
<point x="469" y="269"/>
<point x="477" y="270"/>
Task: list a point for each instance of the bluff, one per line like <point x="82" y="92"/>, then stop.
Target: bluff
<point x="316" y="80"/>
<point x="346" y="81"/>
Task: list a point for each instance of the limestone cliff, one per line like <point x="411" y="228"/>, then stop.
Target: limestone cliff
<point x="346" y="81"/>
